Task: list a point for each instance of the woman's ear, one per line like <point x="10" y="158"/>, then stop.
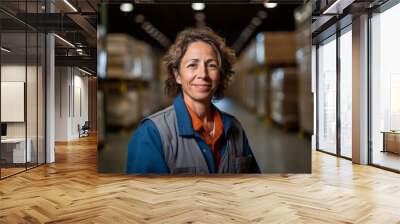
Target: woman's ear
<point x="177" y="77"/>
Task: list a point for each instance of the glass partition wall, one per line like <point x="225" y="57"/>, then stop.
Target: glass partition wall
<point x="22" y="76"/>
<point x="385" y="88"/>
<point x="334" y="94"/>
<point x="326" y="60"/>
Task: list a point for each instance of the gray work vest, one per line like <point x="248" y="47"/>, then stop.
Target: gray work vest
<point x="182" y="153"/>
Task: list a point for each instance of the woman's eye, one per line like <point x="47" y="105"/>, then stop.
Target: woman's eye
<point x="191" y="65"/>
<point x="212" y="65"/>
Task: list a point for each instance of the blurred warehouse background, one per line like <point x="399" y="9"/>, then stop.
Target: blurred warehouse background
<point x="270" y="93"/>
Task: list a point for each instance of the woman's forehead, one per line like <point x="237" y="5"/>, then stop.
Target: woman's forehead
<point x="199" y="48"/>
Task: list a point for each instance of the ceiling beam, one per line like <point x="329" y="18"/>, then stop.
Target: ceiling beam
<point x="86" y="26"/>
<point x="81" y="61"/>
<point x="230" y="2"/>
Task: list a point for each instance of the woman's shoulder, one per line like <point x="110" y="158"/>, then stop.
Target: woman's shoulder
<point x="160" y="120"/>
<point x="163" y="112"/>
<point x="146" y="126"/>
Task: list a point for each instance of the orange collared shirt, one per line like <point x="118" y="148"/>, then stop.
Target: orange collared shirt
<point x="213" y="141"/>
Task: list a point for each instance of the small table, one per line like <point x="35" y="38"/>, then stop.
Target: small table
<point x="18" y="150"/>
<point x="391" y="141"/>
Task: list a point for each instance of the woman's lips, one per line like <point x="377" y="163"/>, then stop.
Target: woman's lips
<point x="202" y="87"/>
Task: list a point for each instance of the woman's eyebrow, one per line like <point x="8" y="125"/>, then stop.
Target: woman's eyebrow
<point x="192" y="59"/>
<point x="211" y="59"/>
<point x="197" y="60"/>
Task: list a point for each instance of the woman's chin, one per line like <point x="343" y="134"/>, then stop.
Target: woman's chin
<point x="202" y="96"/>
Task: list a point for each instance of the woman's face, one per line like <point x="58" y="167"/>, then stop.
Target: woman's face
<point x="199" y="73"/>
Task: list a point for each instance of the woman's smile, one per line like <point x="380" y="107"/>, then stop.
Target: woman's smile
<point x="202" y="87"/>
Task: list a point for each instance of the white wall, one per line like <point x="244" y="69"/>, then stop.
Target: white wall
<point x="71" y="93"/>
<point x="12" y="73"/>
<point x="61" y="103"/>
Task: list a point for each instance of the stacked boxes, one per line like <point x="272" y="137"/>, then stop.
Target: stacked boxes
<point x="249" y="83"/>
<point x="251" y="86"/>
<point x="280" y="52"/>
<point x="128" y="58"/>
<point x="280" y="48"/>
<point x="129" y="90"/>
<point x="284" y="97"/>
<point x="131" y="77"/>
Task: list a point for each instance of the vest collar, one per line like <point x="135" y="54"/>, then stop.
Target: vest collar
<point x="185" y="123"/>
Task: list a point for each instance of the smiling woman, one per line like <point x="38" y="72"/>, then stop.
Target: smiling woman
<point x="192" y="136"/>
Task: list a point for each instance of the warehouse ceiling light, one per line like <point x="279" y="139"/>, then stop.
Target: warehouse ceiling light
<point x="270" y="5"/>
<point x="198" y="6"/>
<point x="70" y="5"/>
<point x="126" y="7"/>
<point x="156" y="34"/>
<point x="5" y="50"/>
<point x="249" y="30"/>
<point x="65" y="41"/>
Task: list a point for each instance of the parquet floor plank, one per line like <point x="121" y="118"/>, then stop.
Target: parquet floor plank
<point x="71" y="191"/>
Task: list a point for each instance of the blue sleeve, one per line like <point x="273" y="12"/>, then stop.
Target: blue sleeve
<point x="145" y="153"/>
<point x="247" y="152"/>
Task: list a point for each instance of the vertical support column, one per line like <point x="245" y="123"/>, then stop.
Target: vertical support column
<point x="360" y="90"/>
<point x="314" y="94"/>
<point x="338" y="95"/>
<point x="50" y="93"/>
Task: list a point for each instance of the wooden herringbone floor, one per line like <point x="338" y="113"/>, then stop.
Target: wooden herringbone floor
<point x="70" y="191"/>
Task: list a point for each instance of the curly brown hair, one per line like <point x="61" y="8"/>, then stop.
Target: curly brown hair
<point x="225" y="55"/>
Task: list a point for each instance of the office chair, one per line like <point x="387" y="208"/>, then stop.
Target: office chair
<point x="84" y="130"/>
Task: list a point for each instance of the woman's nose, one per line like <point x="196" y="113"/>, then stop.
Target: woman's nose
<point x="202" y="71"/>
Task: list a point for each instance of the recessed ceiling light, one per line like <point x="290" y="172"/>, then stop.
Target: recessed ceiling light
<point x="84" y="71"/>
<point x="146" y="25"/>
<point x="70" y="5"/>
<point x="198" y="6"/>
<point x="270" y="5"/>
<point x="5" y="50"/>
<point x="65" y="41"/>
<point x="126" y="7"/>
<point x="151" y="30"/>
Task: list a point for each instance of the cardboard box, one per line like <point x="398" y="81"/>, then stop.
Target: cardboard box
<point x="284" y="96"/>
<point x="129" y="58"/>
<point x="280" y="47"/>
